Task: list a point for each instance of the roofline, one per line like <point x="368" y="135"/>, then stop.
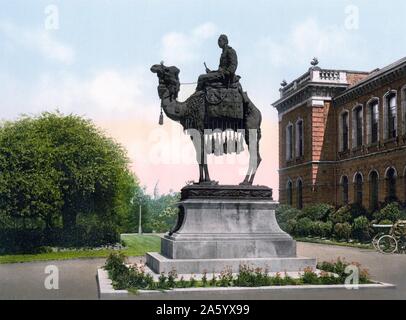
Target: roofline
<point x="308" y="84"/>
<point x="338" y="70"/>
<point x="374" y="76"/>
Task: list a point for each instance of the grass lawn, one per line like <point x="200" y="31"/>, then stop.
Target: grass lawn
<point x="136" y="245"/>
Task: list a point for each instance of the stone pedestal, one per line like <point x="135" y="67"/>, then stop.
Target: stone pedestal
<point x="226" y="226"/>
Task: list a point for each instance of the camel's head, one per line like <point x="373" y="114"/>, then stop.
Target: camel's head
<point x="168" y="80"/>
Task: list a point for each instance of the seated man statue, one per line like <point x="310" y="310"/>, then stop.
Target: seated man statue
<point x="226" y="71"/>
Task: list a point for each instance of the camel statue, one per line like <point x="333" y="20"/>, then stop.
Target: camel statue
<point x="218" y="120"/>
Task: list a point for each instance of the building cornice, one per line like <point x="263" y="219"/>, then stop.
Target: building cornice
<point x="376" y="80"/>
<point x="315" y="82"/>
<point x="306" y="93"/>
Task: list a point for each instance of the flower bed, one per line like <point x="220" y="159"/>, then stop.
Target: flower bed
<point x="135" y="277"/>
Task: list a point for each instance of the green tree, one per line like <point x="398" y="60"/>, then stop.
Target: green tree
<point x="162" y="212"/>
<point x="55" y="168"/>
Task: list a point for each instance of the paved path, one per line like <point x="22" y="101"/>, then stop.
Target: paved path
<point x="78" y="278"/>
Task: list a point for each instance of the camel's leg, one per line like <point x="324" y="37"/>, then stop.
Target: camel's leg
<point x="258" y="158"/>
<point x="201" y="177"/>
<point x="204" y="160"/>
<point x="247" y="141"/>
<point x="200" y="147"/>
<point x="206" y="172"/>
<point x="198" y="150"/>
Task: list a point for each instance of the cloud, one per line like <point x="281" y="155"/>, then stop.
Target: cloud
<point x="180" y="47"/>
<point x="309" y="39"/>
<point x="109" y="93"/>
<point x="41" y="41"/>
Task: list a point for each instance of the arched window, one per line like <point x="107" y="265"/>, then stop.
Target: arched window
<point x="404" y="184"/>
<point x="343" y="131"/>
<point x="344" y="190"/>
<point x="373" y="190"/>
<point x="358" y="192"/>
<point x="373" y="121"/>
<point x="289" y="142"/>
<point x="299" y="139"/>
<point x="390" y="115"/>
<point x="357" y="127"/>
<point x="299" y="187"/>
<point x="391" y="184"/>
<point x="404" y="109"/>
<point x="289" y="192"/>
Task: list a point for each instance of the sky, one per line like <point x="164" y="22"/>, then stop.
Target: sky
<point x="92" y="58"/>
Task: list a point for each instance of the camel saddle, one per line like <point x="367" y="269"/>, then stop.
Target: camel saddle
<point x="224" y="103"/>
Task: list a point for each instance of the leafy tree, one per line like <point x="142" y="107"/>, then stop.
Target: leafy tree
<point x="162" y="212"/>
<point x="56" y="168"/>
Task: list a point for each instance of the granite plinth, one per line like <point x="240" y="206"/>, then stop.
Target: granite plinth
<point x="221" y="226"/>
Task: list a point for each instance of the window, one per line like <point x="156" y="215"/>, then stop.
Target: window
<point x="357" y="127"/>
<point x="299" y="194"/>
<point x="391" y="185"/>
<point x="358" y="188"/>
<point x="404" y="109"/>
<point x="344" y="186"/>
<point x="404" y="183"/>
<point x="289" y="190"/>
<point x="289" y="142"/>
<point x="373" y="121"/>
<point x="390" y="109"/>
<point x="299" y="139"/>
<point x="373" y="190"/>
<point x="343" y="134"/>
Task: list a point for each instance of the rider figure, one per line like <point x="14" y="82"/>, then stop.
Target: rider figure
<point x="226" y="71"/>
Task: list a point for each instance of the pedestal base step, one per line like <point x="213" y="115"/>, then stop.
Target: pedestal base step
<point x="158" y="263"/>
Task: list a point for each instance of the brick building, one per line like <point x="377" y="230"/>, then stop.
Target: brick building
<point x="343" y="137"/>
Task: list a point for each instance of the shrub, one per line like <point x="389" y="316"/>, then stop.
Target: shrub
<point x="284" y="214"/>
<point x="357" y="210"/>
<point x="342" y="231"/>
<point x="338" y="267"/>
<point x="226" y="277"/>
<point x="390" y="212"/>
<point x="317" y="212"/>
<point x="172" y="275"/>
<point x="342" y="215"/>
<point x="213" y="280"/>
<point x="322" y="229"/>
<point x="326" y="229"/>
<point x="163" y="281"/>
<point x="327" y="278"/>
<point x="304" y="227"/>
<point x="291" y="227"/>
<point x="21" y="241"/>
<point x="138" y="279"/>
<point x="205" y="282"/>
<point x="115" y="266"/>
<point x="309" y="277"/>
<point x="384" y="222"/>
<point x="192" y="282"/>
<point x="246" y="277"/>
<point x="182" y="283"/>
<point x="361" y="229"/>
